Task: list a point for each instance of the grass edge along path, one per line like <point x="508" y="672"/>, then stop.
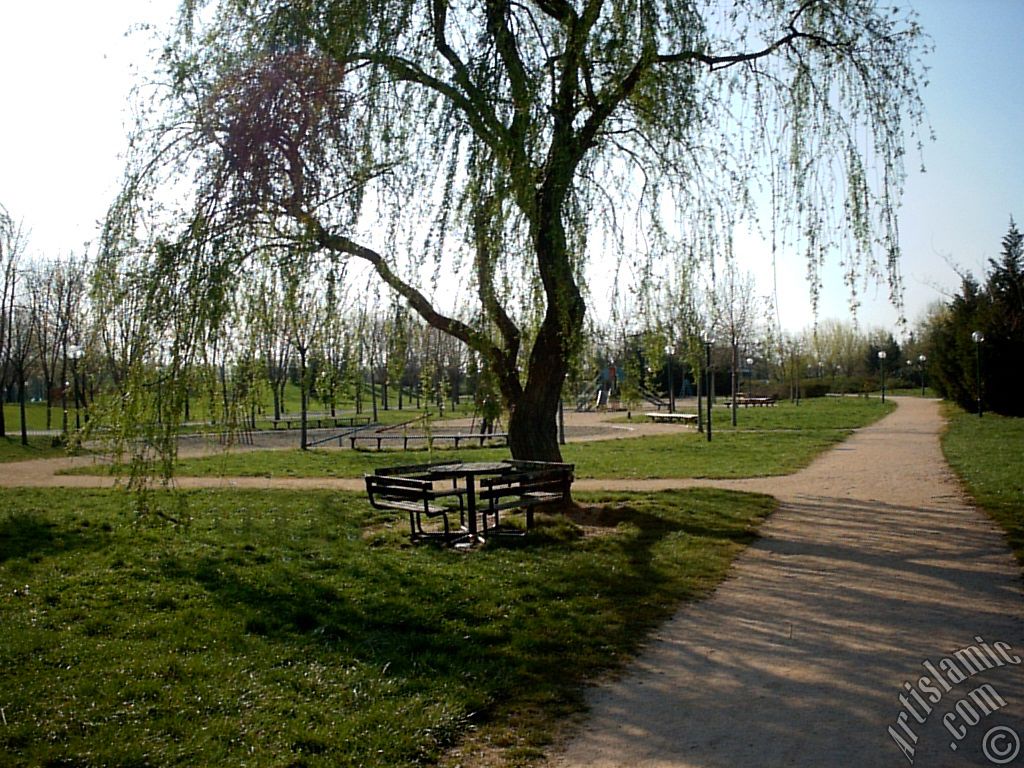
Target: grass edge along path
<point x="301" y="628"/>
<point x="39" y="447"/>
<point x="986" y="454"/>
<point x="759" y="447"/>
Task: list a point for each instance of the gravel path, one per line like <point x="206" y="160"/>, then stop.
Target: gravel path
<point x="873" y="567"/>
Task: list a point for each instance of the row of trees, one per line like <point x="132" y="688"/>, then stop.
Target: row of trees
<point x="509" y="143"/>
<point x="978" y="337"/>
<point x="74" y="330"/>
<point x="41" y="313"/>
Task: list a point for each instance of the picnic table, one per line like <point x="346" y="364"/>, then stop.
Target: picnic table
<point x="423" y="490"/>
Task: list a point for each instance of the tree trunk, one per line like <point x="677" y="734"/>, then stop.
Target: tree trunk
<point x="533" y="421"/>
<point x="49" y="404"/>
<point x="21" y="403"/>
<point x="303" y="395"/>
<point x="735" y="390"/>
<point x="532" y="427"/>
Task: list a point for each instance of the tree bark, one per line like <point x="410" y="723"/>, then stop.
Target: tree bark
<point x="21" y="403"/>
<point x="532" y="427"/>
<point x="735" y="382"/>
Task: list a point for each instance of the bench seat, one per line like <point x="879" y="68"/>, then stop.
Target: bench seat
<point x="523" y="490"/>
<point x="419" y="498"/>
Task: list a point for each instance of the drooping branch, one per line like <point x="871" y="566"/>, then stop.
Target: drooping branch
<point x="341" y="244"/>
<point x="486" y="245"/>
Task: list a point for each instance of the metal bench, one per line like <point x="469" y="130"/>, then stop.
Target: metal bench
<point x="401" y="489"/>
<point x="682" y="418"/>
<point x="529" y="485"/>
<point x="746" y="402"/>
<point x="321" y="421"/>
<point x="456" y="438"/>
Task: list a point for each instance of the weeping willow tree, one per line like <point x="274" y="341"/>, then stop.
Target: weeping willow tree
<point x="513" y="143"/>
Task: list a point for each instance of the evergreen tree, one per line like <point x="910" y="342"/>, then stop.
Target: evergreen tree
<point x="996" y="310"/>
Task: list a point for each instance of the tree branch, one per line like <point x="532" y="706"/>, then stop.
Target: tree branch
<point x="485" y="124"/>
<point x="484" y="236"/>
<point x="332" y="241"/>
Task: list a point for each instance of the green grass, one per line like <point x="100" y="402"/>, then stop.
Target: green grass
<point x="35" y="417"/>
<point x="988" y="455"/>
<point x="816" y="413"/>
<point x="279" y="628"/>
<point x="729" y="455"/>
<point x="39" y="447"/>
<point x="768" y="441"/>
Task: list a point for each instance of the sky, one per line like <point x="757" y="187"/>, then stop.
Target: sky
<point x="68" y="68"/>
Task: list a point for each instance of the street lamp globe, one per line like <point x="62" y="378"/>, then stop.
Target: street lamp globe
<point x="977" y="337"/>
<point x="669" y="351"/>
<point x="881" y="356"/>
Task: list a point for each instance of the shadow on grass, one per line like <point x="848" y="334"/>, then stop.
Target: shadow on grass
<point x="26" y="535"/>
<point x="405" y="646"/>
<point x="529" y="616"/>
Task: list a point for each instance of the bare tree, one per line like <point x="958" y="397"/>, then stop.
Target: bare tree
<point x="21" y="348"/>
<point x="57" y="290"/>
<point x="737" y="309"/>
<point x="305" y="310"/>
<point x="13" y="240"/>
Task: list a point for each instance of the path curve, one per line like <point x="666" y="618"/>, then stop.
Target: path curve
<point x="873" y="564"/>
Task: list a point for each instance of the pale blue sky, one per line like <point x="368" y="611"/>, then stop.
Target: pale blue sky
<point x="68" y="64"/>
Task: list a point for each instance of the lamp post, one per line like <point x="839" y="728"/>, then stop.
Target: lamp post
<point x="881" y="357"/>
<point x="709" y="339"/>
<point x="921" y="360"/>
<point x="669" y="351"/>
<point x="977" y="337"/>
<point x="75" y="353"/>
<point x="750" y="375"/>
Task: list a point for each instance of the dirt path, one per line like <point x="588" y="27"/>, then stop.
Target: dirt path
<point x="45" y="473"/>
<point x="873" y="565"/>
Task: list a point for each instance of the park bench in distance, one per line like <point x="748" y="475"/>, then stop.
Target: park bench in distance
<point x="321" y="420"/>
<point x="678" y="418"/>
<point x="746" y="402"/>
<point x="455" y="437"/>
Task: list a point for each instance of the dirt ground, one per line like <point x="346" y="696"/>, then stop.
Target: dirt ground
<point x="822" y="647"/>
<point x="45" y="472"/>
<point x="873" y="567"/>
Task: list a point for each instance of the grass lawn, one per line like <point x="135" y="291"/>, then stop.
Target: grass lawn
<point x="282" y="628"/>
<point x="39" y="447"/>
<point x="35" y="417"/>
<point x="768" y="441"/>
<point x="988" y="455"/>
<point x="816" y="413"/>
